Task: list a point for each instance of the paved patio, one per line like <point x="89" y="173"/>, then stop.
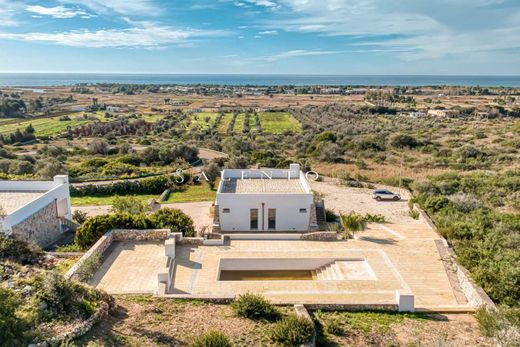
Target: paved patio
<point x="401" y="256"/>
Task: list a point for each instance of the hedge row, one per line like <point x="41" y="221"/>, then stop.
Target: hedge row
<point x="152" y="185"/>
<point x="166" y="218"/>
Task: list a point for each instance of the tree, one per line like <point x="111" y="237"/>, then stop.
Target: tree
<point x="351" y="223"/>
<point x="212" y="172"/>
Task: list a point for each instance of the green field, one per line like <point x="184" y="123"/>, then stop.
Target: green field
<point x="105" y="200"/>
<point x="278" y="122"/>
<point x="48" y="126"/>
<point x="192" y="193"/>
<point x="224" y="123"/>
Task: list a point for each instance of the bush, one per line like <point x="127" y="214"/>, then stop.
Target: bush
<point x="254" y="306"/>
<point x="173" y="219"/>
<point x="292" y="331"/>
<point x="502" y="324"/>
<point x="128" y="204"/>
<point x="95" y="227"/>
<point x="11" y="327"/>
<point x="79" y="216"/>
<point x="65" y="299"/>
<point x="212" y="339"/>
<point x="19" y="251"/>
<point x="330" y="216"/>
<point x="374" y="218"/>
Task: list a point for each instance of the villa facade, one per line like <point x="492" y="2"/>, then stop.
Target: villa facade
<point x="35" y="211"/>
<point x="264" y="200"/>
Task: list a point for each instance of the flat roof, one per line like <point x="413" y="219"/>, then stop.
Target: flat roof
<point x="262" y="186"/>
<point x="11" y="200"/>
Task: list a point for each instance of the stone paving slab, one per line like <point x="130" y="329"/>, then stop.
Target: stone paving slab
<point x="404" y="259"/>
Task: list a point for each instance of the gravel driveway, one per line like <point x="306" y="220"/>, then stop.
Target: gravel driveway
<point x="340" y="198"/>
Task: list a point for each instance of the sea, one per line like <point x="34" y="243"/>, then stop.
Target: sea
<point x="68" y="79"/>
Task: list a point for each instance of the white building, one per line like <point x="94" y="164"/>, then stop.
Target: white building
<point x="264" y="200"/>
<point x="35" y="210"/>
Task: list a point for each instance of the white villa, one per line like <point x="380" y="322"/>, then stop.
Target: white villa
<point x="264" y="200"/>
<point x="35" y="210"/>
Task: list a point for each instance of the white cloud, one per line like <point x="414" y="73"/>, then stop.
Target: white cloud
<point x="268" y="32"/>
<point x="416" y="29"/>
<point x="8" y="10"/>
<point x="141" y="34"/>
<point x="125" y="7"/>
<point x="58" y="12"/>
<point x="296" y="53"/>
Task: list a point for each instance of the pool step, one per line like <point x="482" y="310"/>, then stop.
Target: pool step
<point x="330" y="272"/>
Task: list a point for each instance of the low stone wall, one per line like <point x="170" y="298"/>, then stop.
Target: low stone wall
<point x="140" y="235"/>
<point x="476" y="296"/>
<point x="95" y="251"/>
<point x="81" y="329"/>
<point x="320" y="236"/>
<point x="106" y="240"/>
<point x="301" y="311"/>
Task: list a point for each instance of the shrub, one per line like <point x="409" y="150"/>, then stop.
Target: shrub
<point x="95" y="227"/>
<point x="212" y="339"/>
<point x="11" y="327"/>
<point x="65" y="299"/>
<point x="79" y="216"/>
<point x="19" y="251"/>
<point x="173" y="219"/>
<point x="89" y="267"/>
<point x="128" y="204"/>
<point x="374" y="218"/>
<point x="254" y="306"/>
<point x="503" y="324"/>
<point x="292" y="331"/>
<point x="414" y="214"/>
<point x="352" y="222"/>
<point x="330" y="216"/>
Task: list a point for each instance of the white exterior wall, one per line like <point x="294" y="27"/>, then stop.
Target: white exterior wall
<point x="58" y="190"/>
<point x="288" y="216"/>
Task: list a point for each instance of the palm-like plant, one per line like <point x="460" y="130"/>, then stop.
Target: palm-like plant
<point x="351" y="223"/>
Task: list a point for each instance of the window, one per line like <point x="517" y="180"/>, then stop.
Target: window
<point x="253" y="219"/>
<point x="226" y="210"/>
<point x="271" y="218"/>
<point x="303" y="210"/>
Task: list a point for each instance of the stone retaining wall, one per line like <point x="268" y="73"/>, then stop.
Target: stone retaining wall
<point x="83" y="328"/>
<point x="320" y="236"/>
<point x="106" y="240"/>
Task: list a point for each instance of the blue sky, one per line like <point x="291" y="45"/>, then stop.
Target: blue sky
<point x="261" y="36"/>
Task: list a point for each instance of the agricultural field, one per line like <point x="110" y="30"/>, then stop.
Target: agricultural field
<point x="271" y="122"/>
<point x="202" y="121"/>
<point x="279" y="123"/>
<point x="50" y="126"/>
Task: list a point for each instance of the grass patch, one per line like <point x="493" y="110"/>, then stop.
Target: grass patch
<point x="366" y="321"/>
<point x="105" y="200"/>
<point x="224" y="123"/>
<point x="193" y="193"/>
<point x="278" y="122"/>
